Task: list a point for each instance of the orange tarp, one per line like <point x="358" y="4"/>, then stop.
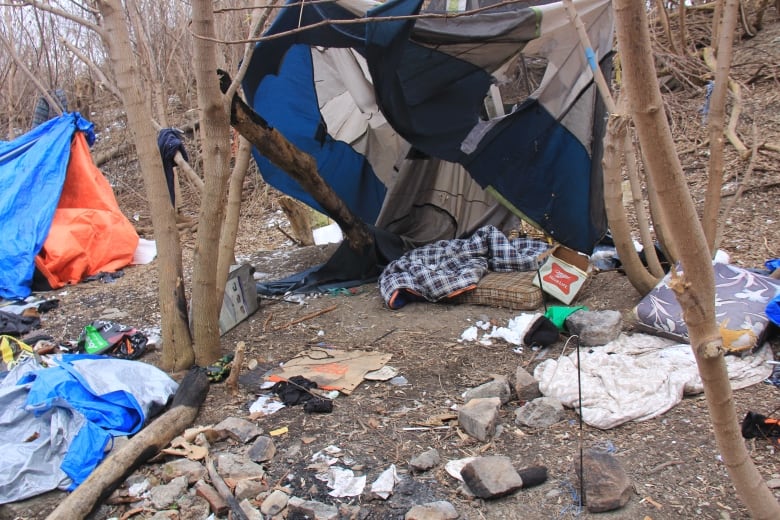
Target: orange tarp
<point x="89" y="234"/>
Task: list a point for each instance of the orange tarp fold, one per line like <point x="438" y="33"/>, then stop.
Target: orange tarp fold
<point x="89" y="233"/>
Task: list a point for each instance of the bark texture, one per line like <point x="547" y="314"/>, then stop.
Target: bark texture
<point x="695" y="289"/>
<point x="177" y="351"/>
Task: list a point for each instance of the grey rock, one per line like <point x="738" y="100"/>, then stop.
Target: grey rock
<point x="236" y="467"/>
<point x="193" y="470"/>
<point x="240" y="429"/>
<point x="165" y="495"/>
<point x="168" y="514"/>
<point x="607" y="486"/>
<point x="249" y="510"/>
<point x="312" y="509"/>
<point x="274" y="503"/>
<point x="193" y="506"/>
<point x="262" y="450"/>
<point x="248" y="488"/>
<point x="348" y="512"/>
<point x="498" y="387"/>
<point x="491" y="477"/>
<point x="540" y="413"/>
<point x="425" y="461"/>
<point x="526" y="387"/>
<point x="440" y="510"/>
<point x="595" y="328"/>
<point x="478" y="417"/>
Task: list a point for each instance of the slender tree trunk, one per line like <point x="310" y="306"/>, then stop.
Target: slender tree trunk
<point x="177" y="343"/>
<point x="716" y="119"/>
<point x="695" y="289"/>
<point x="215" y="139"/>
<point x="227" y="242"/>
<point x="614" y="149"/>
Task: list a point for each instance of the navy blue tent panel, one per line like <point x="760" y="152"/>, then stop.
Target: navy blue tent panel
<point x="430" y="82"/>
<point x="297" y="117"/>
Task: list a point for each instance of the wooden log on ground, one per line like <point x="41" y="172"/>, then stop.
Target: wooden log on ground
<point x="297" y="164"/>
<point x="146" y="443"/>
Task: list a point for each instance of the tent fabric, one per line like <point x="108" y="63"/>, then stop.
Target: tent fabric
<point x="47" y="166"/>
<point x="32" y="172"/>
<point x="75" y="408"/>
<point x="89" y="233"/>
<point x="357" y="95"/>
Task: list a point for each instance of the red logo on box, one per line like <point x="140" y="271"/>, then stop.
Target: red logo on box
<point x="560" y="278"/>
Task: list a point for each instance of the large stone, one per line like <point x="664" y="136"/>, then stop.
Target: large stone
<point x="249" y="510"/>
<point x="262" y="450"/>
<point x="540" y="413"/>
<point x="240" y="429"/>
<point x="478" y="417"/>
<point x="194" y="471"/>
<point x="526" y="387"/>
<point x="166" y="495"/>
<point x="607" y="486"/>
<point x="595" y="328"/>
<point x="491" y="477"/>
<point x="440" y="510"/>
<point x="498" y="387"/>
<point x="312" y="509"/>
<point x="193" y="506"/>
<point x="274" y="503"/>
<point x="236" y="467"/>
<point x="249" y="488"/>
<point x="425" y="461"/>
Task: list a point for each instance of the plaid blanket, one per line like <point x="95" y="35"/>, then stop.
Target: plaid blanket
<point x="446" y="268"/>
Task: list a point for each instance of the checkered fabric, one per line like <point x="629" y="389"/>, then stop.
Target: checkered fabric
<point x="447" y="267"/>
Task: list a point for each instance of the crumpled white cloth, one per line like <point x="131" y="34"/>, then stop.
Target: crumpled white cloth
<point x="637" y="377"/>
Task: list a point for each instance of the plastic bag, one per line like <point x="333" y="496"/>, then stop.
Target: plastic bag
<point x="112" y="339"/>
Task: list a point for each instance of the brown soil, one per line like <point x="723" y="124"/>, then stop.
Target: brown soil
<point x="672" y="460"/>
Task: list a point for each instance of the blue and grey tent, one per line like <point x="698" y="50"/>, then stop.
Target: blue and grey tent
<point x="406" y="122"/>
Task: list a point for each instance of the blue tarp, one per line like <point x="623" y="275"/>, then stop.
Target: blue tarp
<point x="56" y="422"/>
<point x="32" y="173"/>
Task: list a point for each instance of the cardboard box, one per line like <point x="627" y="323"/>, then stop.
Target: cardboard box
<point x="563" y="273"/>
<point x="240" y="300"/>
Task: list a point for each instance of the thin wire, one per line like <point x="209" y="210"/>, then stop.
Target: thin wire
<point x="579" y="390"/>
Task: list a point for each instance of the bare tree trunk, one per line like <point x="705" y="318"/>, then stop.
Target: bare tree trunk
<point x="695" y="289"/>
<point x="227" y="242"/>
<point x="177" y="347"/>
<point x="215" y="139"/>
<point x="614" y="148"/>
<point x="716" y="118"/>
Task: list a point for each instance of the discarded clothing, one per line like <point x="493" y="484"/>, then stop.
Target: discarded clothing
<point x="112" y="339"/>
<point x="757" y="425"/>
<point x="16" y="325"/>
<point x="169" y="141"/>
<point x="448" y="267"/>
<point x="638" y="377"/>
<point x="56" y="422"/>
<point x="295" y="390"/>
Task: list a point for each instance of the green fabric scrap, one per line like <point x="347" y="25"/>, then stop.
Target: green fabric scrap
<point x="558" y="314"/>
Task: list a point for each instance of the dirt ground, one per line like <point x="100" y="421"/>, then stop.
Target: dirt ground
<point x="672" y="460"/>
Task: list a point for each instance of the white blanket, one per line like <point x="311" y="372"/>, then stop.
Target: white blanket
<point x="637" y="377"/>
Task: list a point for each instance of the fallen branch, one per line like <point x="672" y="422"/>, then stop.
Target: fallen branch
<point x="299" y="165"/>
<point x="120" y="463"/>
<point x="736" y="109"/>
<point x="224" y="491"/>
<point x="304" y="318"/>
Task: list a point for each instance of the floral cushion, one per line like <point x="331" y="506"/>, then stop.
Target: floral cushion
<point x="741" y="297"/>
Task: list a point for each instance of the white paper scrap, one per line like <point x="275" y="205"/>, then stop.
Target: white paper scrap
<point x="385" y="482"/>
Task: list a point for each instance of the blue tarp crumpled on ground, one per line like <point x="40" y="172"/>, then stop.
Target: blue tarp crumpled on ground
<point x="56" y="422"/>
